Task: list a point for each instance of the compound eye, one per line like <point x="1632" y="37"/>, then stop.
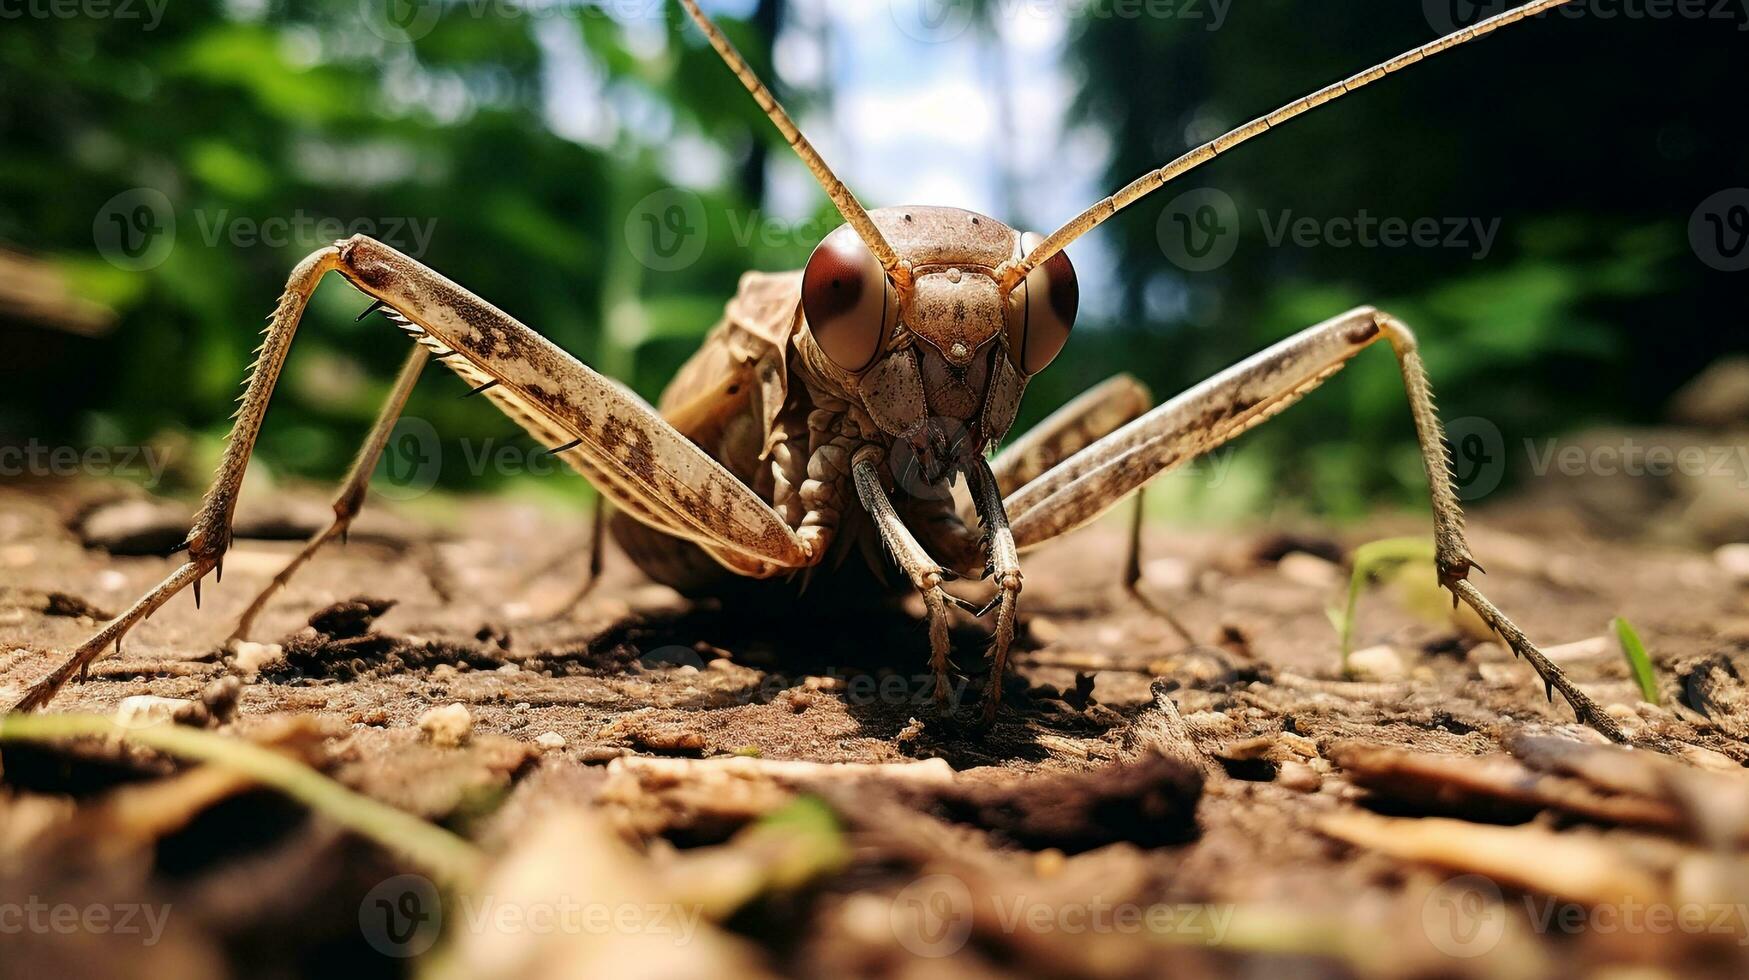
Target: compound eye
<point x="848" y="302"/>
<point x="1041" y="310"/>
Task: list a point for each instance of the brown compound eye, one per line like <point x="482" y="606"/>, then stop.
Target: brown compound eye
<point x="849" y="304"/>
<point x="1041" y="310"/>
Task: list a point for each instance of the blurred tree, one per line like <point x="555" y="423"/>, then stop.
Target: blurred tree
<point x="174" y="171"/>
<point x="1587" y="138"/>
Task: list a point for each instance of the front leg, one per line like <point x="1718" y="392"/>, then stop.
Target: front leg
<point x="1004" y="567"/>
<point x="924" y="572"/>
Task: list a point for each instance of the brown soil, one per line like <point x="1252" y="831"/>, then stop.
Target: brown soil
<point x="1307" y="806"/>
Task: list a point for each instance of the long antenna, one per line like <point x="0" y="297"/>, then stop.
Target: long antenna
<point x="847" y="203"/>
<point x="1154" y="180"/>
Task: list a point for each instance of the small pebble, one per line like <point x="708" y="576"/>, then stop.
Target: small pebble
<point x="669" y="740"/>
<point x="1298" y="777"/>
<point x="1043" y="630"/>
<point x="18" y="555"/>
<point x="1596" y="646"/>
<point x="1310" y="570"/>
<point x="1169" y="574"/>
<point x="550" y="740"/>
<point x="248" y="658"/>
<point x="1733" y="560"/>
<point x="1380" y="663"/>
<point x="146" y="710"/>
<point x="448" y="725"/>
<point x="221" y="697"/>
<point x="1707" y="758"/>
<point x="1627" y="717"/>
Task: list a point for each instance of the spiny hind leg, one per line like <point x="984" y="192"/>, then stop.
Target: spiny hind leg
<point x="643" y="464"/>
<point x="349" y="500"/>
<point x="210" y="535"/>
<point x="1245" y="395"/>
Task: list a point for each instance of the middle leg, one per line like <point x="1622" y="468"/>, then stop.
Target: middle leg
<point x="350" y="499"/>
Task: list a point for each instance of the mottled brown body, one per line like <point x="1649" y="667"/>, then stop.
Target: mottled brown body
<point x="760" y="398"/>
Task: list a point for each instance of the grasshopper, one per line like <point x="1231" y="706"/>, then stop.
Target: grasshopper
<point x="832" y="407"/>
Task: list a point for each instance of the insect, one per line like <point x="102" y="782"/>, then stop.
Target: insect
<point x="831" y="407"/>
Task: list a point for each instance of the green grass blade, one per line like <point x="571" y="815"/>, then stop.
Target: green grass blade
<point x="443" y="854"/>
<point x="1639" y="661"/>
<point x="1369" y="560"/>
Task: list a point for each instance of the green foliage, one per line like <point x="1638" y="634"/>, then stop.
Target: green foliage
<point x="1588" y="307"/>
<point x="1372" y="561"/>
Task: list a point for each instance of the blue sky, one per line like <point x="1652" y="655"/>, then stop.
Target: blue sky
<point x="918" y="113"/>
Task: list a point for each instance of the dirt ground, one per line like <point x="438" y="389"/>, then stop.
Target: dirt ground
<point x="1143" y="805"/>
